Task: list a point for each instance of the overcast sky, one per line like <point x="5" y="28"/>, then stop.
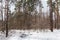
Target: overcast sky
<point x="44" y="2"/>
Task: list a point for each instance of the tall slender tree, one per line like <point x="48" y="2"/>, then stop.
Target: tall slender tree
<point x="2" y="14"/>
<point x="6" y="10"/>
<point x="51" y="16"/>
<point x="57" y="12"/>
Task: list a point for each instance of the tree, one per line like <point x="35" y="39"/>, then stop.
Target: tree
<point x="51" y="16"/>
<point x="57" y="12"/>
<point x="2" y="14"/>
<point x="6" y="6"/>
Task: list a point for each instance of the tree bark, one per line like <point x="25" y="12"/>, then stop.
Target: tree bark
<point x="51" y="16"/>
<point x="6" y="18"/>
<point x="57" y="12"/>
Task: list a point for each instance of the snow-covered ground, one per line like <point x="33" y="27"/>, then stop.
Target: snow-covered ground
<point x="31" y="35"/>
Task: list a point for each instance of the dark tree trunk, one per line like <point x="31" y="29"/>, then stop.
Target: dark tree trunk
<point x="51" y="16"/>
<point x="6" y="18"/>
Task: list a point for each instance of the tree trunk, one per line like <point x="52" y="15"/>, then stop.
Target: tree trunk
<point x="57" y="10"/>
<point x="6" y="18"/>
<point x="51" y="16"/>
<point x="2" y="16"/>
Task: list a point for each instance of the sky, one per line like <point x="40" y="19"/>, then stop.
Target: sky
<point x="44" y="5"/>
<point x="12" y="7"/>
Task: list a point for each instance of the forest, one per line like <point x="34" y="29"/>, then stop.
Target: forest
<point x="29" y="14"/>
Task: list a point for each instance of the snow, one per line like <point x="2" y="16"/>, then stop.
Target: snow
<point x="31" y="35"/>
